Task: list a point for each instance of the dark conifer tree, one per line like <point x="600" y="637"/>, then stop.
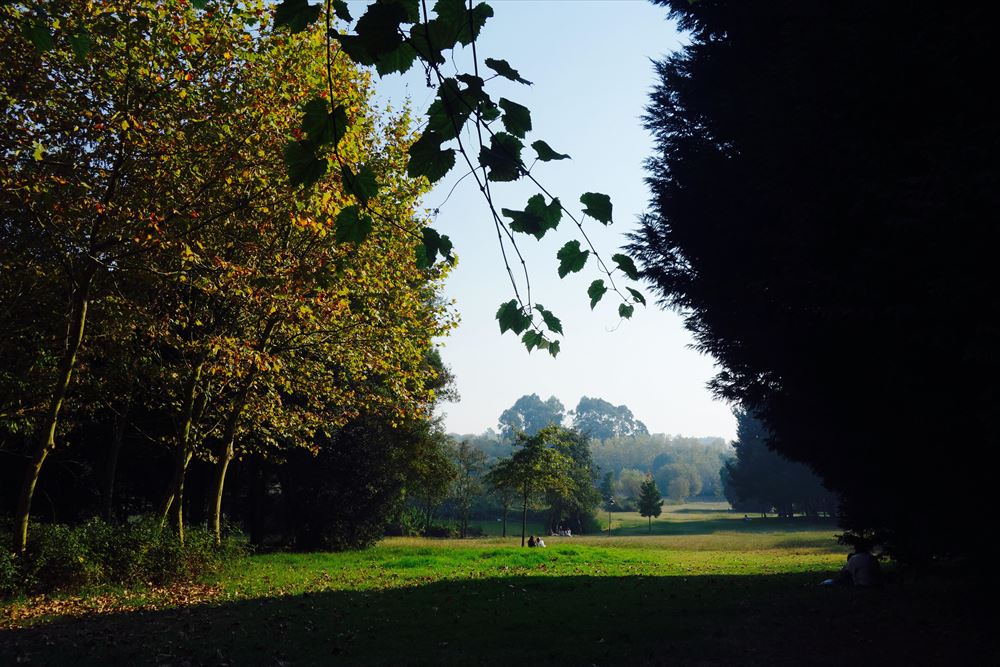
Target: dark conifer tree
<point x="824" y="211"/>
<point x="650" y="501"/>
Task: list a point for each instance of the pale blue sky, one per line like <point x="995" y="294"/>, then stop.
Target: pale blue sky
<point x="590" y="64"/>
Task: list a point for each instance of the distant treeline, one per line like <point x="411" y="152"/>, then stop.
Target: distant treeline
<point x="630" y="459"/>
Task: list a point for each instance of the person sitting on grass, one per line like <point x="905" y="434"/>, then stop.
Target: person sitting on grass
<point x="862" y="569"/>
<point x="531" y="541"/>
<point x="539" y="542"/>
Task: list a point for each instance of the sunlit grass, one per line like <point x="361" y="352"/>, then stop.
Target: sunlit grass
<point x="691" y="540"/>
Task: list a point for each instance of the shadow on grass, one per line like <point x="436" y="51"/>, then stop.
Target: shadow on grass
<point x="665" y="526"/>
<point x="712" y="620"/>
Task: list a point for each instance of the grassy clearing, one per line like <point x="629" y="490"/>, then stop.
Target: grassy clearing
<point x="733" y="593"/>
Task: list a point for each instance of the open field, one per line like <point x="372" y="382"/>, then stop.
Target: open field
<point x="721" y="591"/>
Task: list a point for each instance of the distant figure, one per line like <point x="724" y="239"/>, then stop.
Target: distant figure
<point x="569" y="532"/>
<point x="746" y="518"/>
<point x="539" y="542"/>
<point x="531" y="541"/>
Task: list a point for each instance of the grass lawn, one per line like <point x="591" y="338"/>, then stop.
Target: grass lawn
<point x="705" y="589"/>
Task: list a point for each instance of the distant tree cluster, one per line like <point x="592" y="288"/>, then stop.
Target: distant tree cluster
<point x="683" y="467"/>
<point x="593" y="417"/>
<point x="624" y="459"/>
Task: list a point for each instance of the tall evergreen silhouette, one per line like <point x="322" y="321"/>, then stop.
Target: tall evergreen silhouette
<point x="824" y="212"/>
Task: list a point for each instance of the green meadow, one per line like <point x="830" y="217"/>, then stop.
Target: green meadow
<point x="707" y="588"/>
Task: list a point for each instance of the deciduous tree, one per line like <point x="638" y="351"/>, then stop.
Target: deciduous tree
<point x="533" y="469"/>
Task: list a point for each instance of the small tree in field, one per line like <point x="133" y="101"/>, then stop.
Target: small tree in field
<point x="650" y="500"/>
<point x="533" y="469"/>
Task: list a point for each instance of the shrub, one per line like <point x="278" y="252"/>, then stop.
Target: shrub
<point x="590" y="523"/>
<point x="408" y="523"/>
<point x="440" y="530"/>
<point x="10" y="578"/>
<point x="63" y="558"/>
<point x="58" y="559"/>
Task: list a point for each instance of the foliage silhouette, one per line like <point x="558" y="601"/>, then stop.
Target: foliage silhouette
<point x="821" y="190"/>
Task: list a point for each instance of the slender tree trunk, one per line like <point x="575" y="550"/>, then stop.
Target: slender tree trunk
<point x="428" y="514"/>
<point x="47" y="427"/>
<point x="506" y="510"/>
<point x="226" y="450"/>
<point x="229" y="436"/>
<point x="175" y="494"/>
<point x="179" y="502"/>
<point x="524" y="516"/>
<point x="111" y="468"/>
<point x="225" y="457"/>
<point x="650" y="524"/>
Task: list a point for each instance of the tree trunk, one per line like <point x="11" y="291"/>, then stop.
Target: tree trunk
<point x="47" y="427"/>
<point x="174" y="498"/>
<point x="225" y="457"/>
<point x="524" y="517"/>
<point x="506" y="510"/>
<point x="111" y="468"/>
<point x="183" y="454"/>
<point x="226" y="450"/>
<point x="229" y="436"/>
<point x="650" y="524"/>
